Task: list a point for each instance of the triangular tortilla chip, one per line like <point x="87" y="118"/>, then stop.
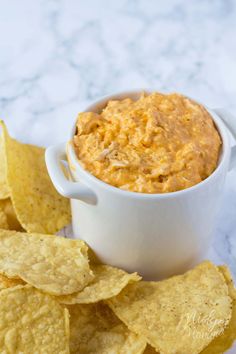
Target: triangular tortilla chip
<point x="56" y="265"/>
<point x="182" y="314"/>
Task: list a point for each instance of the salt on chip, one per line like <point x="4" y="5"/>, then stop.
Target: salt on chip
<point x="53" y="264"/>
<point x="94" y="329"/>
<point x="12" y="221"/>
<point x="223" y="342"/>
<point x="9" y="282"/>
<point x="38" y="206"/>
<point x="32" y="322"/>
<point x="4" y="189"/>
<point x="182" y="314"/>
<point x="108" y="282"/>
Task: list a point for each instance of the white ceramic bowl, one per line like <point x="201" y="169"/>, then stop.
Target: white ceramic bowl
<point x="156" y="235"/>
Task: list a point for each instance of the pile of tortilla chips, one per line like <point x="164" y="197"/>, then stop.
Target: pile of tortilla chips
<point x="27" y="196"/>
<point x="53" y="299"/>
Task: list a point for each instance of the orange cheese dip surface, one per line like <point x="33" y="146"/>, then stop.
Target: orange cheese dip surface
<point x="157" y="144"/>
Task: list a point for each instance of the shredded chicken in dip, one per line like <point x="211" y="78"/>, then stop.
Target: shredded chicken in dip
<point x="157" y="144"/>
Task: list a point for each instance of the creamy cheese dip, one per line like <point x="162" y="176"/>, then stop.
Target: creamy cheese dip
<point x="157" y="144"/>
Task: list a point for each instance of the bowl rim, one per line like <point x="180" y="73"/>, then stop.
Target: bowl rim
<point x="86" y="176"/>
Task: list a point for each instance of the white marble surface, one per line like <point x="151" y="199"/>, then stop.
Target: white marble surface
<point x="55" y="56"/>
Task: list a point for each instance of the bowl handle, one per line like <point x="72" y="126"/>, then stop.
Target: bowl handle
<point x="54" y="156"/>
<point x="230" y="122"/>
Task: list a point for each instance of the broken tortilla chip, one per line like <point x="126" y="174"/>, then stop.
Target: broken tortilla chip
<point x="32" y="322"/>
<point x="182" y="314"/>
<point x="53" y="264"/>
<point x="108" y="282"/>
<point x="37" y="204"/>
<point x="94" y="329"/>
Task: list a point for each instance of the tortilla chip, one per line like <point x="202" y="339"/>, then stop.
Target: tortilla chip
<point x="108" y="281"/>
<point x="222" y="343"/>
<point x="53" y="264"/>
<point x="32" y="322"/>
<point x="38" y="206"/>
<point x="12" y="221"/>
<point x="182" y="314"/>
<point x="94" y="329"/>
<point x="4" y="190"/>
<point x="9" y="283"/>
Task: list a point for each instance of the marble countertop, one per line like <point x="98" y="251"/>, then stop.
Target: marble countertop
<point x="56" y="56"/>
